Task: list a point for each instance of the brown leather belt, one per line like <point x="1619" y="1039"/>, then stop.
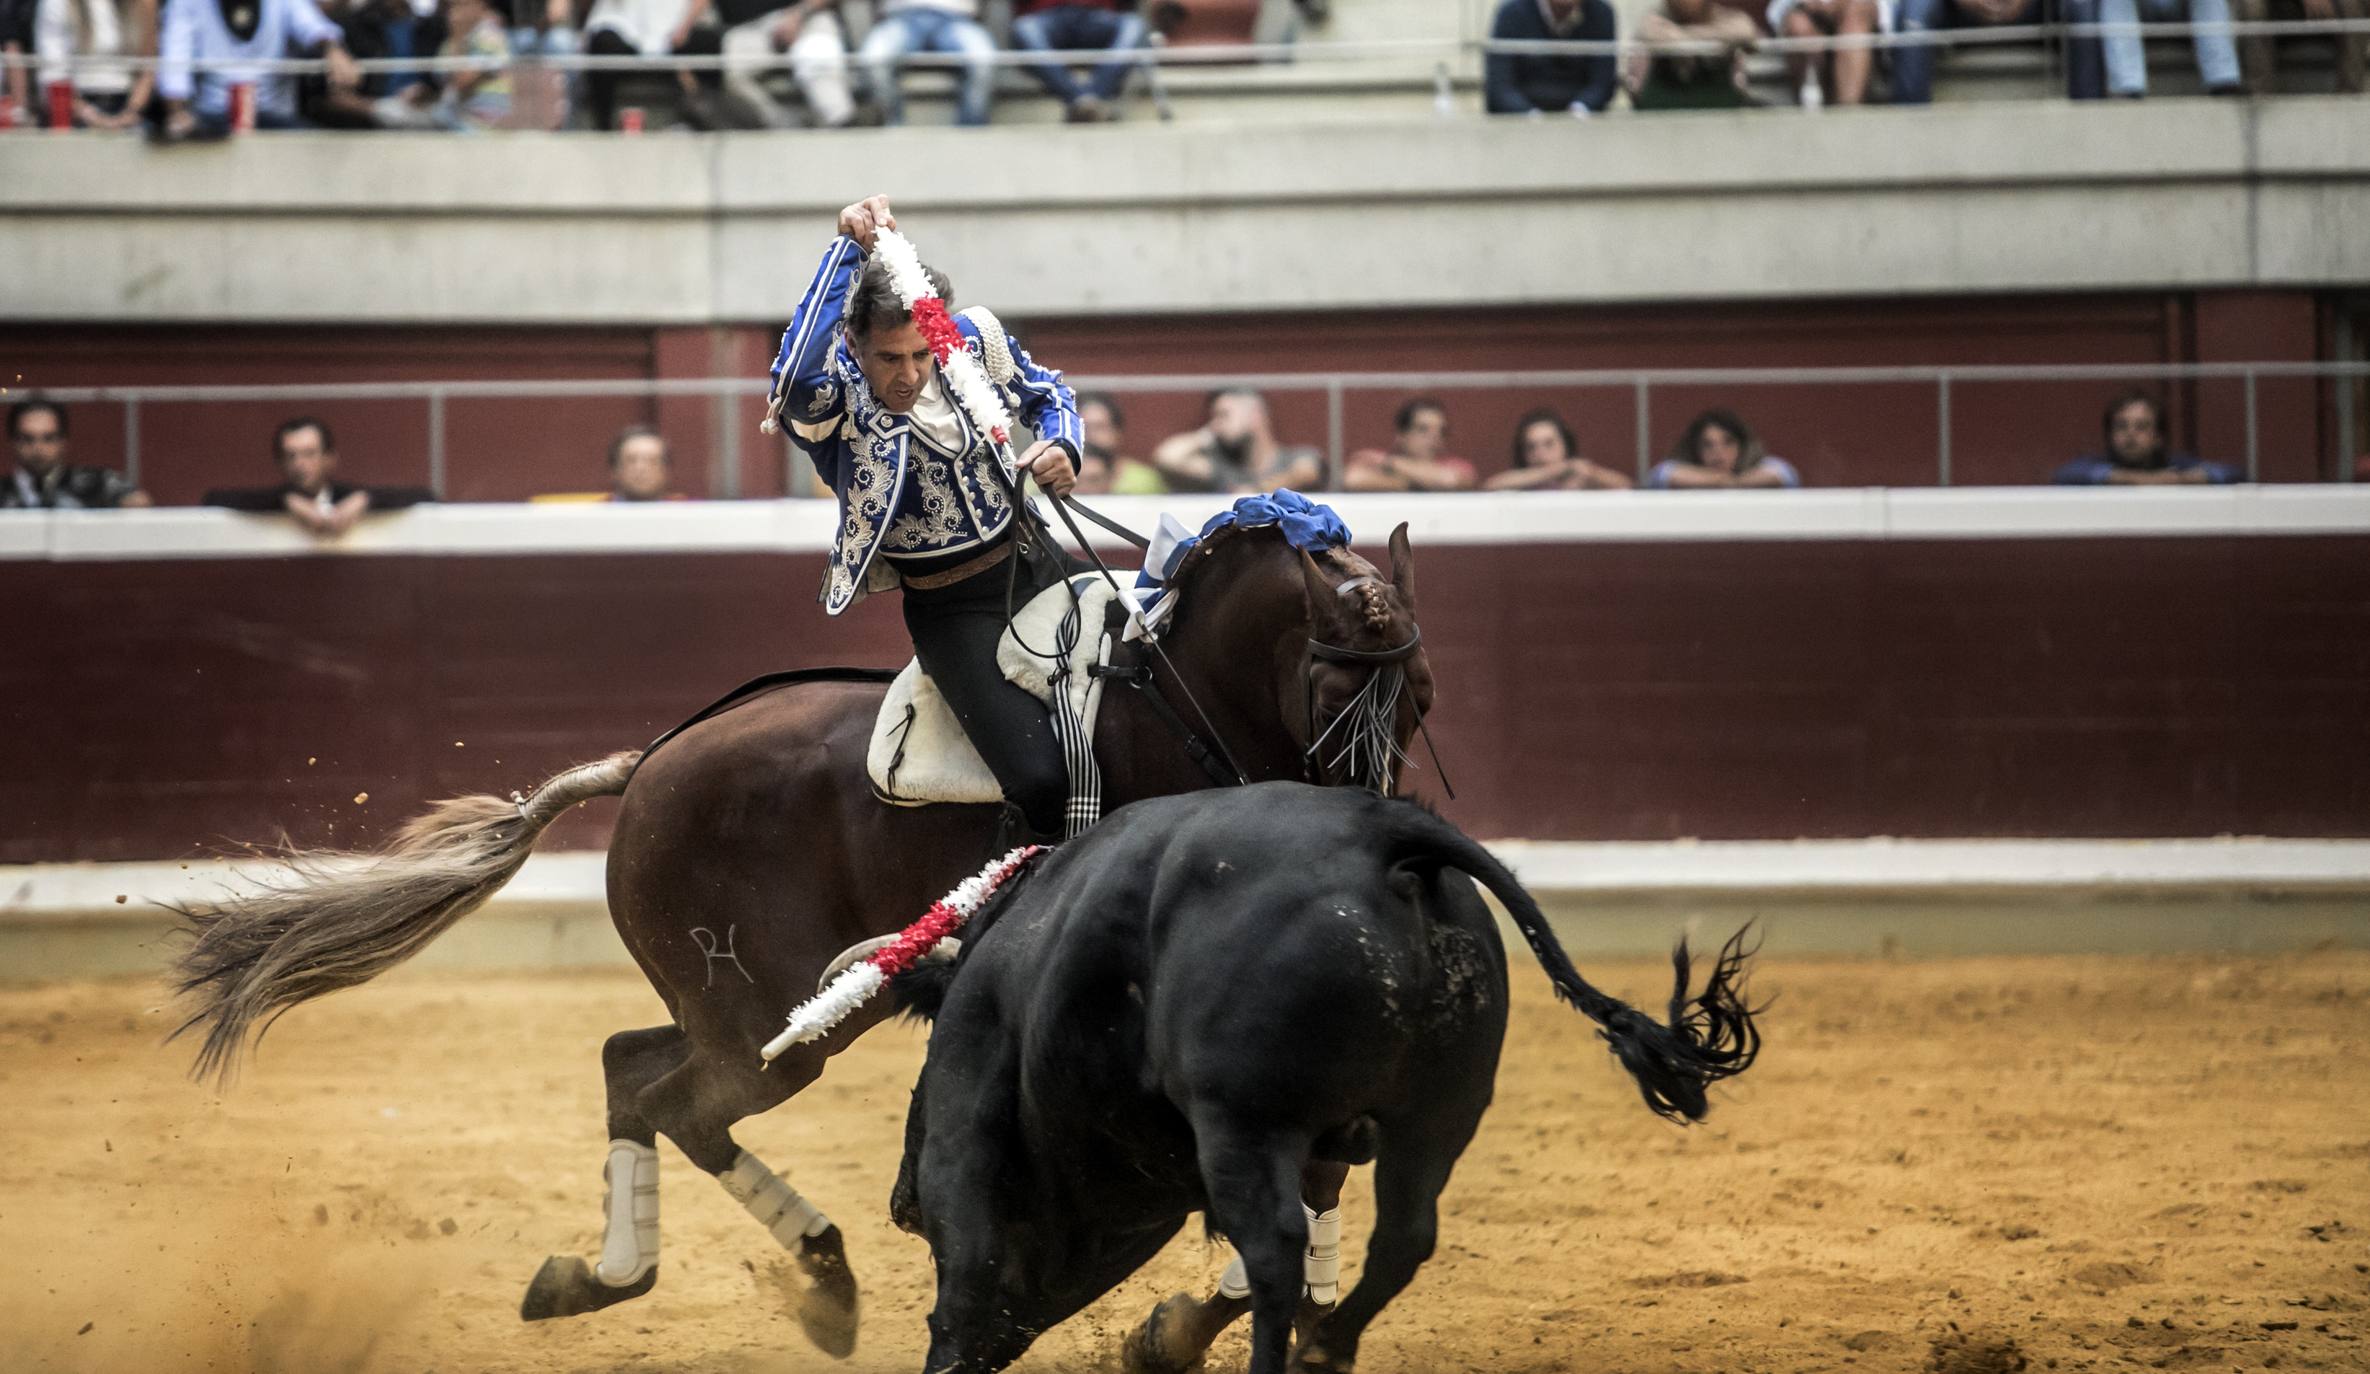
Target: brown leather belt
<point x="930" y="582"/>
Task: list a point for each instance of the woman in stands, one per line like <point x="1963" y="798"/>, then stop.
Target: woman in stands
<point x="925" y="501"/>
<point x="1720" y="450"/>
<point x="1547" y="458"/>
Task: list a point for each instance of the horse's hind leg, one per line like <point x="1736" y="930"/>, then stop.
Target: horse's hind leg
<point x="1414" y="1167"/>
<point x="695" y="1106"/>
<point x="566" y="1286"/>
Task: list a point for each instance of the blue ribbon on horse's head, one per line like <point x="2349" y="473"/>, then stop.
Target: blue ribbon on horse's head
<point x="1306" y="525"/>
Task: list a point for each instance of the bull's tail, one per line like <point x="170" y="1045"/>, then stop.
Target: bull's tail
<point x="336" y="919"/>
<point x="1711" y="1034"/>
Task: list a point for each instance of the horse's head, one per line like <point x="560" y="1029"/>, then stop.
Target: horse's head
<point x="1365" y="683"/>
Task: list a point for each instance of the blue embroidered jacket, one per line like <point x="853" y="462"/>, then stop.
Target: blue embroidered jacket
<point x="898" y="494"/>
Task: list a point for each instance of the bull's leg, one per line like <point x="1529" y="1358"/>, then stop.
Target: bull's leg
<point x="566" y="1286"/>
<point x="1254" y="1199"/>
<point x="1182" y="1328"/>
<point x="1407" y="1183"/>
<point x="694" y="1107"/>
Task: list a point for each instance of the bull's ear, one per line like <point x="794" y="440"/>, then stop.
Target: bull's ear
<point x="1403" y="567"/>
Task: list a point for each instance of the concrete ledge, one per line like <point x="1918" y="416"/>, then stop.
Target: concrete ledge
<point x="1879" y="896"/>
<point x="1272" y="213"/>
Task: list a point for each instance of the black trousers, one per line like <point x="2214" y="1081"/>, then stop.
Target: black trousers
<point x="955" y="630"/>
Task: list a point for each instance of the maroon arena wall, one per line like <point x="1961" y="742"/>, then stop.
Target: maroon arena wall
<point x="2093" y="687"/>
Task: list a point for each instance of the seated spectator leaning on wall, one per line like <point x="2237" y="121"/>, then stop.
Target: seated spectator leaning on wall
<point x="42" y="478"/>
<point x="815" y="37"/>
<point x="1690" y="81"/>
<point x="197" y="103"/>
<point x="930" y="26"/>
<point x="2118" y="65"/>
<point x="651" y="28"/>
<point x="106" y="95"/>
<point x="1547" y="458"/>
<point x="1103" y="464"/>
<point x="469" y="99"/>
<point x="1913" y="66"/>
<point x="2136" y="454"/>
<point x="1236" y="450"/>
<point x="1536" y="83"/>
<point x="640" y="467"/>
<point x="2255" y="52"/>
<point x="16" y="82"/>
<point x="1720" y="450"/>
<point x="308" y="490"/>
<point x="1075" y="25"/>
<point x="1843" y="71"/>
<point x="1418" y="459"/>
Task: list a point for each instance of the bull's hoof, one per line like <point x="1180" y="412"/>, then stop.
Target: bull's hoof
<point x="827" y="1311"/>
<point x="565" y="1287"/>
<point x="1177" y="1334"/>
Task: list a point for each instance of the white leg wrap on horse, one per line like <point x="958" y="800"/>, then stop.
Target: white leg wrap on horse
<point x="775" y="1204"/>
<point x="629" y="1244"/>
<point x="1322" y="1264"/>
<point x="1235" y="1283"/>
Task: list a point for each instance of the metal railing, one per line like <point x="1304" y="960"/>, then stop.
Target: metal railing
<point x="731" y="422"/>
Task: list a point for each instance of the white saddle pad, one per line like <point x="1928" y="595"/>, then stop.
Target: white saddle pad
<point x="919" y="753"/>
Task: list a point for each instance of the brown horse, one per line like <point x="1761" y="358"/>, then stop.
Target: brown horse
<point x="749" y="851"/>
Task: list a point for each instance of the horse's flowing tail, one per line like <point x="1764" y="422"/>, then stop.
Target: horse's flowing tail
<point x="1711" y="1035"/>
<point x="337" y="918"/>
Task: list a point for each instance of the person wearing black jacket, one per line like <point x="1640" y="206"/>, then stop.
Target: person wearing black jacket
<point x="308" y="491"/>
<point x="1529" y="83"/>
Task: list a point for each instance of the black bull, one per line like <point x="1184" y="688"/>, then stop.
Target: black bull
<point x="1182" y="1008"/>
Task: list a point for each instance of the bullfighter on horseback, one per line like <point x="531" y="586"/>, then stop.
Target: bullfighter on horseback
<point x="926" y="500"/>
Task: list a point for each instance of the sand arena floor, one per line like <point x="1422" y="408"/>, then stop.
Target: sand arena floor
<point x="1977" y="1165"/>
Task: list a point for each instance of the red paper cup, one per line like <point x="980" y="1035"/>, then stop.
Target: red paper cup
<point x="242" y="107"/>
<point x="61" y="105"/>
<point x="629" y="120"/>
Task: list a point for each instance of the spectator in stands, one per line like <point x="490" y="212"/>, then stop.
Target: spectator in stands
<point x="107" y="95"/>
<point x="930" y="26"/>
<point x="309" y="489"/>
<point x="1056" y="25"/>
<point x="1913" y="66"/>
<point x="1418" y="459"/>
<point x="197" y="104"/>
<point x="469" y="99"/>
<point x="640" y="467"/>
<point x="2255" y="52"/>
<point x="651" y="28"/>
<point x="44" y="480"/>
<point x="816" y="39"/>
<point x="16" y="83"/>
<point x="2118" y="65"/>
<point x="1539" y="83"/>
<point x="1840" y="75"/>
<point x="1547" y="458"/>
<point x="1103" y="464"/>
<point x="1720" y="450"/>
<point x="1688" y="81"/>
<point x="1236" y="450"/>
<point x="2136" y="454"/>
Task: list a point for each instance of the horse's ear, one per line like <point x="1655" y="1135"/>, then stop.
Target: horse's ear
<point x="1403" y="566"/>
<point x="1322" y="598"/>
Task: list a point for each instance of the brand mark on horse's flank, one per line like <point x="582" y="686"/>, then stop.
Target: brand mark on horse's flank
<point x="706" y="940"/>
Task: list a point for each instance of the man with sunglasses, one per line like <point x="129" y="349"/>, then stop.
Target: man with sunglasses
<point x="44" y="480"/>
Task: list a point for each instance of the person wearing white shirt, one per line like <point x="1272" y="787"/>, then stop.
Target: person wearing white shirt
<point x="238" y="32"/>
<point x="75" y="40"/>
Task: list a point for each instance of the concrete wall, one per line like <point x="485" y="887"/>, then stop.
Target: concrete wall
<point x="1408" y="211"/>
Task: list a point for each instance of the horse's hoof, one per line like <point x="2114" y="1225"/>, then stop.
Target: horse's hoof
<point x="565" y="1287"/>
<point x="827" y="1311"/>
<point x="1170" y="1340"/>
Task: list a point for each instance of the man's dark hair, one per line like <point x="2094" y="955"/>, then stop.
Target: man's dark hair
<point x="1748" y="445"/>
<point x="633" y="432"/>
<point x="1414" y="406"/>
<point x="873" y="305"/>
<point x="2135" y="397"/>
<point x="1542" y="416"/>
<point x="33" y="404"/>
<point x="288" y="427"/>
<point x="1107" y="401"/>
<point x="1210" y="402"/>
